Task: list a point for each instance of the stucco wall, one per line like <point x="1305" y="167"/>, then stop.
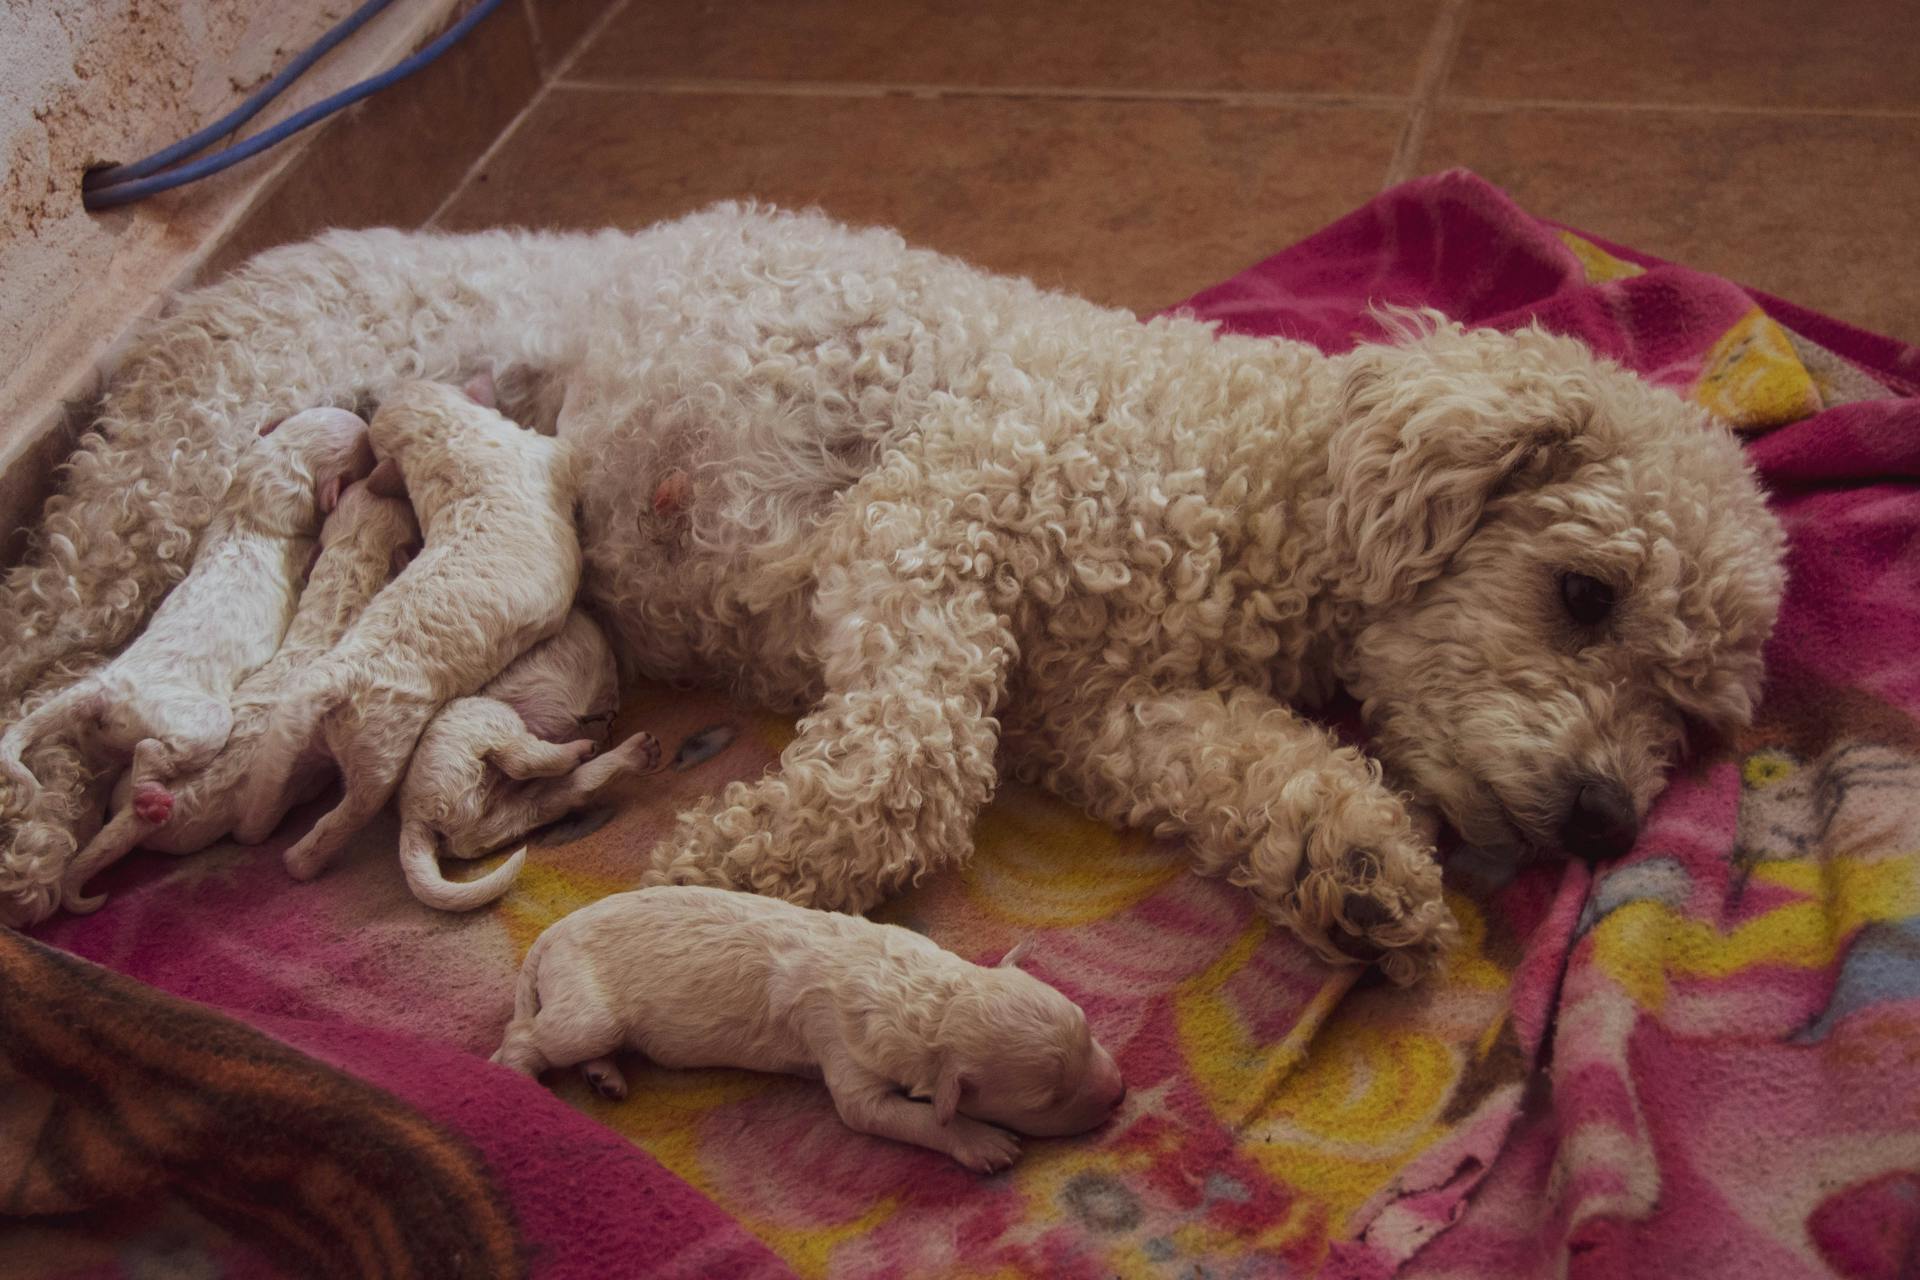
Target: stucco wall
<point x="95" y="81"/>
<point x="85" y="82"/>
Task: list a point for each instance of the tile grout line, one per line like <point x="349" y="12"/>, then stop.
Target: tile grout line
<point x="889" y="89"/>
<point x="1493" y="106"/>
<point x="1303" y="99"/>
<point x="547" y="83"/>
<point x="1436" y="62"/>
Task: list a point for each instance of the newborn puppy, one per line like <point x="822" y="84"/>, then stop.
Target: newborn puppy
<point x="364" y="542"/>
<point x="493" y="767"/>
<point x="497" y="575"/>
<point x="164" y="699"/>
<point x="698" y="977"/>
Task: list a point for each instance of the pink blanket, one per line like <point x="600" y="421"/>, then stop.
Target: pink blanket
<point x="1700" y="1062"/>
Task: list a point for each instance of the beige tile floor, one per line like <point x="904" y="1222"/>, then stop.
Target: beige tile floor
<point x="1136" y="151"/>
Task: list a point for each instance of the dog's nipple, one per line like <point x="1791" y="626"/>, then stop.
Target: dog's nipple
<point x="673" y="495"/>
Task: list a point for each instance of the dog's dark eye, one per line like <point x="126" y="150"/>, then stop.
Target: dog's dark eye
<point x="1588" y="600"/>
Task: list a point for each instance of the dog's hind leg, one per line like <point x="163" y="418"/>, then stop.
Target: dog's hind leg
<point x="372" y="761"/>
<point x="115" y="841"/>
<point x="886" y="776"/>
<point x="184" y="739"/>
<point x="1274" y="804"/>
<point x="524" y="756"/>
<point x="545" y="800"/>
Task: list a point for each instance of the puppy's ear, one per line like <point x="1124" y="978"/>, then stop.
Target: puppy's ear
<point x="386" y="481"/>
<point x="480" y="389"/>
<point x="1431" y="432"/>
<point x="948" y="1090"/>
<point x="1012" y="959"/>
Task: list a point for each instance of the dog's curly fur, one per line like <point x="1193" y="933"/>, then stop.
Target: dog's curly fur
<point x="365" y="541"/>
<point x="163" y="700"/>
<point x="497" y="575"/>
<point x="968" y="525"/>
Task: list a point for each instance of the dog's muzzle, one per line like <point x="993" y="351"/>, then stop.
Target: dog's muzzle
<point x="1600" y="821"/>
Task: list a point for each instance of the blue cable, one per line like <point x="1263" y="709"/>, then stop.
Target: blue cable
<point x="106" y="194"/>
<point x="241" y="114"/>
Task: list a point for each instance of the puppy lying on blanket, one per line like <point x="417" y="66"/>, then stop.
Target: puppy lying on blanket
<point x="498" y="573"/>
<point x="164" y="699"/>
<point x="698" y="977"/>
<point x="493" y="767"/>
<point x="365" y="542"/>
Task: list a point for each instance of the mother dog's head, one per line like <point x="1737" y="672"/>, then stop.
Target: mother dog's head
<point x="1554" y="570"/>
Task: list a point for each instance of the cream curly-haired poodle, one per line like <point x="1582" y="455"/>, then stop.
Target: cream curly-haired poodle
<point x="971" y="527"/>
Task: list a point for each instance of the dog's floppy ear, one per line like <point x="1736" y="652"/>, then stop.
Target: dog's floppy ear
<point x="480" y="389"/>
<point x="386" y="481"/>
<point x="1430" y="432"/>
<point x="948" y="1090"/>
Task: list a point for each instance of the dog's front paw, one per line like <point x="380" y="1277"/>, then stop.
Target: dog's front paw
<point x="981" y="1147"/>
<point x="1397" y="920"/>
<point x="1360" y="883"/>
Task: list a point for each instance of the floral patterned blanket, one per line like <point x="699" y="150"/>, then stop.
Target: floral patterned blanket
<point x="1702" y="1061"/>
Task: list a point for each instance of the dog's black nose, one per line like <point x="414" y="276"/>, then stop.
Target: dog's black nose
<point x="1600" y="822"/>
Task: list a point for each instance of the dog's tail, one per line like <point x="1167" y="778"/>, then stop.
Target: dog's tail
<point x="29" y="729"/>
<point x="420" y="859"/>
<point x="518" y="1049"/>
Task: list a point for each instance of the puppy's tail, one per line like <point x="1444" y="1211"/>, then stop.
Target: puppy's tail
<point x="419" y="858"/>
<point x="518" y="1048"/>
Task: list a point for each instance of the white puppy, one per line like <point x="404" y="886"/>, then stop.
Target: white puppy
<point x="165" y="698"/>
<point x="491" y="768"/>
<point x="364" y="542"/>
<point x="497" y="575"/>
<point x="699" y="977"/>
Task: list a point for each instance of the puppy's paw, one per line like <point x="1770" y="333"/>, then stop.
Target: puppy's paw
<point x="982" y="1147"/>
<point x="605" y="1078"/>
<point x="643" y="752"/>
<point x="152" y="803"/>
<point x="302" y="860"/>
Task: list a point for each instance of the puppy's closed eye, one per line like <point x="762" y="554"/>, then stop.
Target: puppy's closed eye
<point x="1053" y="1093"/>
